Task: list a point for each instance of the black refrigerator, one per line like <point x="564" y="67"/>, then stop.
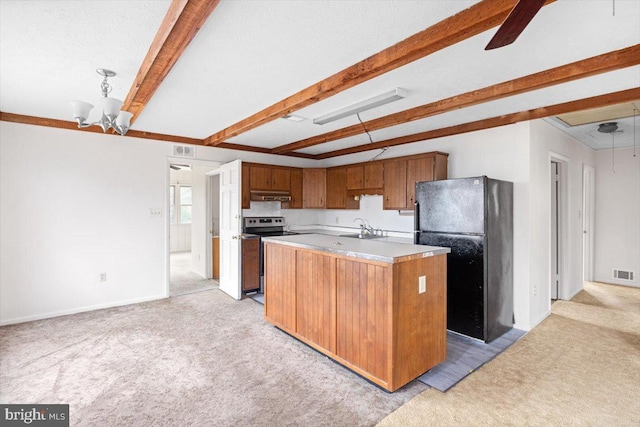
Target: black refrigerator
<point x="473" y="217"/>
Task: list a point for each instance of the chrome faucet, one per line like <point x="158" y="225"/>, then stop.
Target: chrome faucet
<point x="365" y="228"/>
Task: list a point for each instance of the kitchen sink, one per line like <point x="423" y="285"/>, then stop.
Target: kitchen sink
<point x="361" y="236"/>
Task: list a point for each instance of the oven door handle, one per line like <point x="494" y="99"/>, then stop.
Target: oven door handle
<point x="248" y="236"/>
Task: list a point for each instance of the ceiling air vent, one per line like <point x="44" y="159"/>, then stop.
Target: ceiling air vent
<point x="184" y="151"/>
<point x="623" y="275"/>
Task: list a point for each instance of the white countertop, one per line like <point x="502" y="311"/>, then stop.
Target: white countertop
<point x="371" y="249"/>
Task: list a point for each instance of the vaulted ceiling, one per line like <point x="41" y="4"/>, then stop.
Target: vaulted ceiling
<point x="224" y="73"/>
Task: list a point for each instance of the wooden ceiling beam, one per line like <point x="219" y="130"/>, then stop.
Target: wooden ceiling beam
<point x="255" y="149"/>
<point x="465" y="24"/>
<point x="536" y="113"/>
<point x="577" y="70"/>
<point x="63" y="124"/>
<point x="179" y="26"/>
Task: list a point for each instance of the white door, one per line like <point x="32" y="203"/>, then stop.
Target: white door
<point x="588" y="191"/>
<point x="230" y="228"/>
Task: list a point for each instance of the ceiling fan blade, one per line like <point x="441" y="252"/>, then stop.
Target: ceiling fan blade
<point x="516" y="22"/>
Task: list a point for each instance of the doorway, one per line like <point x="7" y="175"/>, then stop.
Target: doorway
<point x="189" y="220"/>
<point x="558" y="177"/>
<point x="554" y="280"/>
<point x="588" y="213"/>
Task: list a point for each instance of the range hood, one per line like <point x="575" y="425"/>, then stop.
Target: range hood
<point x="270" y="196"/>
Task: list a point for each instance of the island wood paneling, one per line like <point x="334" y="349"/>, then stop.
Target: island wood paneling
<point x="364" y="316"/>
<point x="316" y="296"/>
<point x="376" y="323"/>
<point x="421" y="313"/>
<point x="280" y="285"/>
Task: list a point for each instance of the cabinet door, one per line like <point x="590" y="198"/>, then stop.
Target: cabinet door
<point x="280" y="285"/>
<point x="364" y="316"/>
<point x="373" y="177"/>
<point x="296" y="191"/>
<point x="250" y="264"/>
<point x="316" y="296"/>
<point x="280" y="179"/>
<point x="246" y="188"/>
<point x="418" y="170"/>
<point x="441" y="166"/>
<point x="355" y="177"/>
<point x="395" y="185"/>
<point x="337" y="185"/>
<point x="314" y="188"/>
<point x="260" y="178"/>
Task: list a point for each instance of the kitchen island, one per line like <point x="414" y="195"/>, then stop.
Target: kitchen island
<point x="378" y="308"/>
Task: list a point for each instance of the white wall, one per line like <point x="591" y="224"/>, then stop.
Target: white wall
<point x="75" y="204"/>
<point x="617" y="221"/>
<point x="548" y="141"/>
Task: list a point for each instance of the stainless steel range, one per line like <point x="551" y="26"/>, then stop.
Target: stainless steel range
<point x="265" y="226"/>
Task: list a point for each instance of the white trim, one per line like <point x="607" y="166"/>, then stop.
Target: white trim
<point x="590" y="228"/>
<point x="540" y="319"/>
<point x="563" y="221"/>
<point x="79" y="310"/>
<point x="576" y="292"/>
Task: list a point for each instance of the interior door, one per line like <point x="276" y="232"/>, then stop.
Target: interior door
<point x="588" y="185"/>
<point x="230" y="228"/>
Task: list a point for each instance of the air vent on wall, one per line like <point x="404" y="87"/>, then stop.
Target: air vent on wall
<point x="184" y="151"/>
<point x="623" y="275"/>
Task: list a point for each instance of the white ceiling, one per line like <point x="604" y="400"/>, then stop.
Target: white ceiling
<point x="251" y="54"/>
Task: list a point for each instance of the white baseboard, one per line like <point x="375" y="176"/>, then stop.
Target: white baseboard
<point x="539" y="320"/>
<point x="77" y="310"/>
<point x="574" y="293"/>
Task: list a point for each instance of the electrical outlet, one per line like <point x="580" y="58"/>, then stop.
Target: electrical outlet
<point x="422" y="284"/>
<point x="535" y="290"/>
<point x="103" y="277"/>
<point x="155" y="212"/>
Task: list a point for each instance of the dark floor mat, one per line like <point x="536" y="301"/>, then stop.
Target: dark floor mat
<point x="464" y="355"/>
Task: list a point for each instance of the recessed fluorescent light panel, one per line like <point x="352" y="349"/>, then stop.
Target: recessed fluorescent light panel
<point x="367" y="104"/>
<point x="293" y="118"/>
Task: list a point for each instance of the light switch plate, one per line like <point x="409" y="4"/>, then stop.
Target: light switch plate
<point x="422" y="284"/>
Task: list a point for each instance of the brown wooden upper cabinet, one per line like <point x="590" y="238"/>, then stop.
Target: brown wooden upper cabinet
<point x="270" y="178"/>
<point x="365" y="178"/>
<point x="394" y="178"/>
<point x="246" y="186"/>
<point x="296" y="190"/>
<point x="401" y="175"/>
<point x="337" y="185"/>
<point x="314" y="188"/>
<point x="260" y="177"/>
<point x="281" y="179"/>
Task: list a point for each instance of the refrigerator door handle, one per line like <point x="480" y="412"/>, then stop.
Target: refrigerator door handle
<point x="416" y="221"/>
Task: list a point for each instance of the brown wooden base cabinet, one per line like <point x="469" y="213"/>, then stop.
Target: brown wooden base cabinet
<point x="367" y="315"/>
<point x="215" y="255"/>
<point x="250" y="264"/>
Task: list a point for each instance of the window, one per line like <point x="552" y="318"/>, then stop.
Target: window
<point x="172" y="204"/>
<point x="185" y="205"/>
<point x="180" y="204"/>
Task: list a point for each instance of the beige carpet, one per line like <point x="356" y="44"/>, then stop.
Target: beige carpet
<point x="183" y="280"/>
<point x="201" y="359"/>
<point x="579" y="367"/>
